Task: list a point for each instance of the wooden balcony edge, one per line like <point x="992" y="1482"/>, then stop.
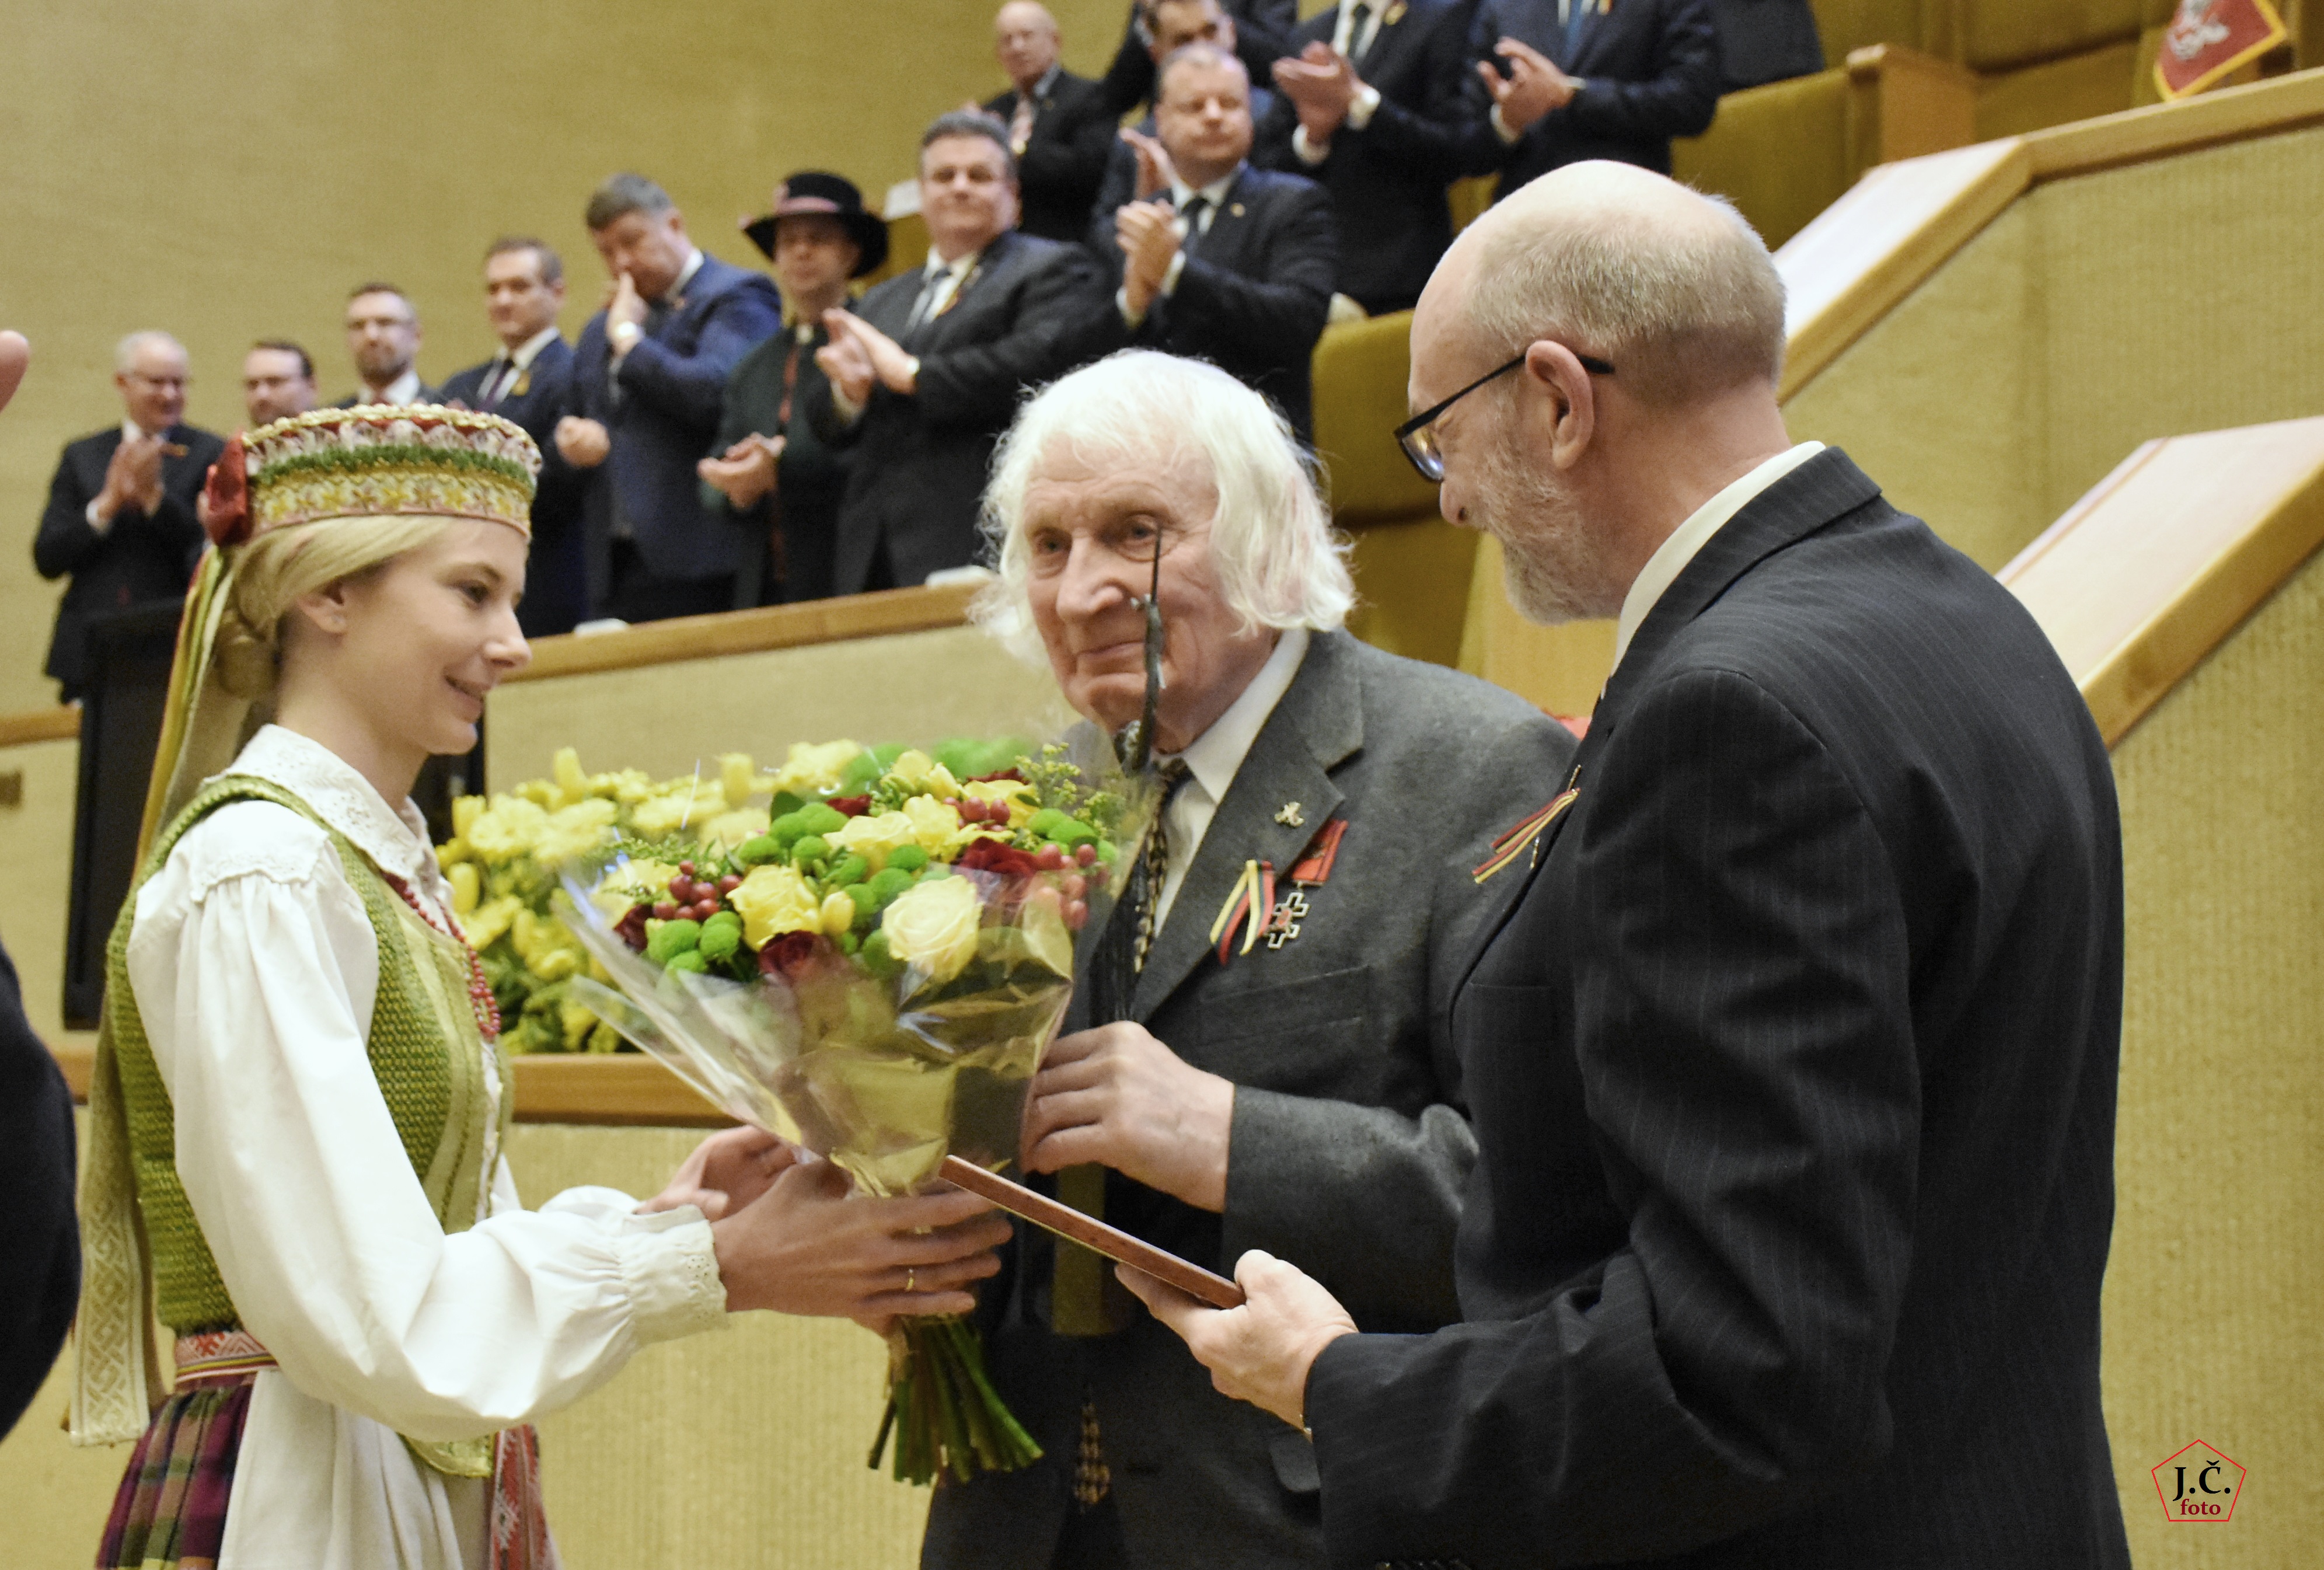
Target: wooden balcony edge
<point x="615" y="1089"/>
<point x="2264" y="108"/>
<point x="832" y="621"/>
<point x="60" y="723"/>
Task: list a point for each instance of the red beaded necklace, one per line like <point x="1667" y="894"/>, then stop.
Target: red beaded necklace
<point x="480" y="992"/>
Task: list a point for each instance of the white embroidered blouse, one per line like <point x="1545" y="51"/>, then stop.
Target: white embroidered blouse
<point x="254" y="969"/>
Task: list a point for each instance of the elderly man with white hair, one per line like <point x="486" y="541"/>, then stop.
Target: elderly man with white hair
<point x="1234" y="1076"/>
<point x="1793" y="1065"/>
<point x="120" y="518"/>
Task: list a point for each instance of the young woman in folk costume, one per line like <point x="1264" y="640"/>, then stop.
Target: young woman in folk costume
<point x="300" y="1106"/>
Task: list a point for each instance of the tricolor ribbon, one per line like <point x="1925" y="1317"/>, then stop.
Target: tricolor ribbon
<point x="1249" y="904"/>
<point x="1513" y="844"/>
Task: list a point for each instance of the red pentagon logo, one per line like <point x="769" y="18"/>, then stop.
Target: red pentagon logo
<point x="2199" y="1485"/>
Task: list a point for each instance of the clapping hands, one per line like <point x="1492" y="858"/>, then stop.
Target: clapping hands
<point x="1155" y="172"/>
<point x="745" y="472"/>
<point x="860" y="355"/>
<point x="1321" y="84"/>
<point x="1532" y="87"/>
<point x="1148" y="234"/>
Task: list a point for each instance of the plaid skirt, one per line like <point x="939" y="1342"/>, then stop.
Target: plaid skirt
<point x="169" y="1512"/>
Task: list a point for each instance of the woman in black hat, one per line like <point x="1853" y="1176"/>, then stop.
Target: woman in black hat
<point x="767" y="467"/>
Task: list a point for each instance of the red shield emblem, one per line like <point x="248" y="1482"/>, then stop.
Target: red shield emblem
<point x="2208" y="38"/>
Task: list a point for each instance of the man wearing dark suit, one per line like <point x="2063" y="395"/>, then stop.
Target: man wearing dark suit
<point x="120" y="517"/>
<point x="1765" y="40"/>
<point x="384" y="341"/>
<point x="1298" y="1093"/>
<point x="1137" y="169"/>
<point x="768" y="466"/>
<point x="1058" y="127"/>
<point x="1236" y="266"/>
<point x="525" y="382"/>
<point x="1793" y="1062"/>
<point x="1258" y="31"/>
<point x="648" y="386"/>
<point x="1562" y="81"/>
<point x="1381" y="115"/>
<point x="923" y="375"/>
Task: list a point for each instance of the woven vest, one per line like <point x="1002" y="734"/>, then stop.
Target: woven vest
<point x="425" y="1052"/>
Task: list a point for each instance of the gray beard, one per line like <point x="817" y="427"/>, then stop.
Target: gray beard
<point x="1551" y="568"/>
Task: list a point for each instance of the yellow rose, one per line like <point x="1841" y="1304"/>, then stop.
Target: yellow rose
<point x="813" y="769"/>
<point x="936" y="826"/>
<point x="637" y="881"/>
<point x="874" y="837"/>
<point x="838" y="912"/>
<point x="916" y="771"/>
<point x="729" y="829"/>
<point x="931" y="925"/>
<point x="774" y="900"/>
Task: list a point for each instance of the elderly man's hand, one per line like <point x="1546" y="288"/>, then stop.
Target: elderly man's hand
<point x="1155" y="171"/>
<point x="584" y="443"/>
<point x="745" y="472"/>
<point x="1262" y="1351"/>
<point x="133" y="478"/>
<point x="1534" y="87"/>
<point x="1148" y="234"/>
<point x="1321" y="84"/>
<point x="1117" y="1096"/>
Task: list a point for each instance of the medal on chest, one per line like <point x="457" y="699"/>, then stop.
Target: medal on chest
<point x="1262" y="910"/>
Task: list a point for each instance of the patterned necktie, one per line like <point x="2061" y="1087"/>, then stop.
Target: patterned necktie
<point x="1357" y="16"/>
<point x="1153" y="861"/>
<point x="1020" y="125"/>
<point x="496" y="382"/>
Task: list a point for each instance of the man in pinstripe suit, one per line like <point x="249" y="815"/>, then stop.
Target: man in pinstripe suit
<point x="1793" y="1065"/>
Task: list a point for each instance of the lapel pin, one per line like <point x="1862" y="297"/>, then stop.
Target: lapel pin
<point x="1290" y="817"/>
<point x="1234" y="210"/>
<point x="1393" y="14"/>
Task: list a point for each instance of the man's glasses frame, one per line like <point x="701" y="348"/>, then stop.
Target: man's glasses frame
<point x="1419" y="443"/>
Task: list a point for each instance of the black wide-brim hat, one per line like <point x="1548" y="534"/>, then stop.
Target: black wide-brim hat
<point x="830" y="196"/>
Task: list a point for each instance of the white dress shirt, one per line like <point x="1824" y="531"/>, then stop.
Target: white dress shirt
<point x="508" y="367"/>
<point x="404" y="389"/>
<point x="1670" y="559"/>
<point x="1214" y="196"/>
<point x="255" y="969"/>
<point x="1215" y="758"/>
<point x="1351" y="44"/>
<point x="946" y="278"/>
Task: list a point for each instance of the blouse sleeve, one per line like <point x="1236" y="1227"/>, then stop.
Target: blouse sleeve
<point x="260" y="977"/>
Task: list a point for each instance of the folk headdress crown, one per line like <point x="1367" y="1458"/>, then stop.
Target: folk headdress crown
<point x="374" y="460"/>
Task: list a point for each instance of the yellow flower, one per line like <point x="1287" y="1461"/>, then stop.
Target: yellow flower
<point x="566" y="770"/>
<point x="916" y="771"/>
<point x="509" y="830"/>
<point x="931" y="925"/>
<point x="676" y="806"/>
<point x="738" y="779"/>
<point x="729" y="829"/>
<point x="774" y="900"/>
<point x="936" y="826"/>
<point x="838" y="912"/>
<point x="1017" y="793"/>
<point x="637" y="881"/>
<point x="813" y="769"/>
<point x="574" y="831"/>
<point x="874" y="837"/>
<point x="465" y="887"/>
<point x="465" y="810"/>
<point x="489" y="920"/>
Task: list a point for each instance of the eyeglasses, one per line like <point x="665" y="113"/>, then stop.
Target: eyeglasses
<point x="1418" y="436"/>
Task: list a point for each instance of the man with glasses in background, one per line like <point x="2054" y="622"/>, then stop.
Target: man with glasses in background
<point x="120" y="519"/>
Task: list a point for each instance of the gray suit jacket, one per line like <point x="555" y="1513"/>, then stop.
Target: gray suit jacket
<point x="1351" y="1145"/>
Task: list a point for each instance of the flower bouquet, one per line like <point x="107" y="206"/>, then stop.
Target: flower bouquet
<point x="875" y="976"/>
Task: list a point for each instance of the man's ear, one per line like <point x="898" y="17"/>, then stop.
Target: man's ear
<point x="1564" y="402"/>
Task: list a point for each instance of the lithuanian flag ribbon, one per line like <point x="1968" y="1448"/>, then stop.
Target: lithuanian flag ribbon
<point x="1251" y="904"/>
<point x="1514" y="842"/>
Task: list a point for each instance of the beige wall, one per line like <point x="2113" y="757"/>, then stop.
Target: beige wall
<point x="229" y="172"/>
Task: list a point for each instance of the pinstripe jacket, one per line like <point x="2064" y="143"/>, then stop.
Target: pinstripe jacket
<point x="1793" y="1074"/>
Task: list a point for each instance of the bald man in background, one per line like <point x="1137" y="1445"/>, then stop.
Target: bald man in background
<point x="120" y="519"/>
<point x="1793" y="1060"/>
<point x="1058" y="127"/>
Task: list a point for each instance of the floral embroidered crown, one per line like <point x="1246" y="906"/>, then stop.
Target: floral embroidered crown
<point x="375" y="460"/>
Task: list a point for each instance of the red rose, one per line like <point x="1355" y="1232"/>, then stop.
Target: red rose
<point x="850" y="805"/>
<point x="996" y="778"/>
<point x="631" y="929"/>
<point x="226" y="498"/>
<point x="792" y="954"/>
<point x="998" y="857"/>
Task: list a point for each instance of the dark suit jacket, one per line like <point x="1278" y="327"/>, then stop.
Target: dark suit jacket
<point x="1388" y="179"/>
<point x="1252" y="296"/>
<point x="1650" y="72"/>
<point x="40" y="1240"/>
<point x="556" y="582"/>
<point x="1765" y="40"/>
<point x="1064" y="156"/>
<point x="139" y="560"/>
<point x="1793" y="1079"/>
<point x="663" y="417"/>
<point x="1349" y="1149"/>
<point x="1263" y="30"/>
<point x="919" y="466"/>
<point x="810" y="477"/>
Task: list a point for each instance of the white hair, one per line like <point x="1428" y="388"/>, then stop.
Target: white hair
<point x="125" y="353"/>
<point x="1277" y="560"/>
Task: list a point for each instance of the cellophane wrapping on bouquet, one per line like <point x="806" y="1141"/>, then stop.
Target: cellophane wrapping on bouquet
<point x="874" y="977"/>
